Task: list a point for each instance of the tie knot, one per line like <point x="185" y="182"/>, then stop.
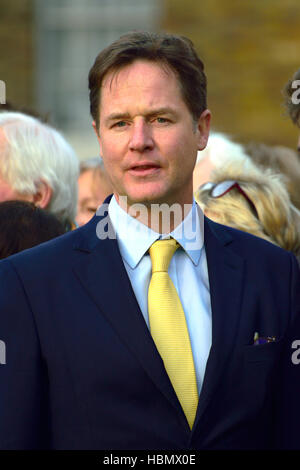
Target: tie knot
<point x="161" y="253"/>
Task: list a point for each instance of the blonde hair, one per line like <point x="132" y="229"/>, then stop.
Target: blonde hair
<point x="278" y="220"/>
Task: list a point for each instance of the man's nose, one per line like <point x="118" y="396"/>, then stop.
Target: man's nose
<point x="141" y="137"/>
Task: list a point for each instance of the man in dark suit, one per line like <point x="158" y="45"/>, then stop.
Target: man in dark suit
<point x="94" y="357"/>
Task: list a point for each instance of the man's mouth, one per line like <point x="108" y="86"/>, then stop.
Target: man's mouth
<point x="145" y="169"/>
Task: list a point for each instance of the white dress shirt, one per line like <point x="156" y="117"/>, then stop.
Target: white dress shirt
<point x="188" y="271"/>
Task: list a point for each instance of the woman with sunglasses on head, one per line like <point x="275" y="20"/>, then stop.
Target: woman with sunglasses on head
<point x="255" y="201"/>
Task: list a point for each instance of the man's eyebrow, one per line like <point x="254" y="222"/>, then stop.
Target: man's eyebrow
<point x="151" y="112"/>
<point x="117" y="116"/>
<point x="86" y="200"/>
<point x="157" y="111"/>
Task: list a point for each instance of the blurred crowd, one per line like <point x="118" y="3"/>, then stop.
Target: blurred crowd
<point x="46" y="191"/>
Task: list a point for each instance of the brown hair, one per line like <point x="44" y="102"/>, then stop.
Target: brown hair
<point x="175" y="52"/>
<point x="293" y="109"/>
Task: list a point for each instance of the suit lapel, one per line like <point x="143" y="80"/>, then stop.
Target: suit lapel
<point x="102" y="273"/>
<point x="226" y="279"/>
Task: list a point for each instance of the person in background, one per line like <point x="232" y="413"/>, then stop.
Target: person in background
<point x="93" y="188"/>
<point x="282" y="160"/>
<point x="255" y="201"/>
<point x="291" y="94"/>
<point x="38" y="165"/>
<point x="24" y="225"/>
<point x="220" y="149"/>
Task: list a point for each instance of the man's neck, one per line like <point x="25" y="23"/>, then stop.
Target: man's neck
<point x="162" y="218"/>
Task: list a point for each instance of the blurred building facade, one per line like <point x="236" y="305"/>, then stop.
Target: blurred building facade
<point x="60" y="40"/>
<point x="17" y="62"/>
<point x="250" y="49"/>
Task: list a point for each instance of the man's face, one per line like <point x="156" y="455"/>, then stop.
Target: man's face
<point x="148" y="139"/>
<point x="92" y="190"/>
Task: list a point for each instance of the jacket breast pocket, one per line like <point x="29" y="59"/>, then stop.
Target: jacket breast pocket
<point x="259" y="377"/>
<point x="262" y="352"/>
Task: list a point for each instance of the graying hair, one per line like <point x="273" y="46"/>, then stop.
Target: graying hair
<point x="91" y="164"/>
<point x="36" y="152"/>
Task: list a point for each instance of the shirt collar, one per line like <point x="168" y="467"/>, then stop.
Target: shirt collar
<point x="135" y="238"/>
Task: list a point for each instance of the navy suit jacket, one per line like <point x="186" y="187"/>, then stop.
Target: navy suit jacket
<point x="82" y="370"/>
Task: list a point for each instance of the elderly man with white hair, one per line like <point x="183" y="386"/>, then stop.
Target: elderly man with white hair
<point x="37" y="164"/>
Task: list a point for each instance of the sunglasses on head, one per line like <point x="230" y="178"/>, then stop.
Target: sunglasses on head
<point x="217" y="190"/>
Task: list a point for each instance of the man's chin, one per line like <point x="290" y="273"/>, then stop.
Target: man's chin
<point x="143" y="199"/>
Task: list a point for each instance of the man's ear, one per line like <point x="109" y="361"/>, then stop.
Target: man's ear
<point x="43" y="195"/>
<point x="95" y="128"/>
<point x="203" y="126"/>
<point x="97" y="134"/>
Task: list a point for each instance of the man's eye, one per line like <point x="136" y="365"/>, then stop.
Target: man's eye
<point x="161" y="120"/>
<point x="91" y="209"/>
<point x="120" y="124"/>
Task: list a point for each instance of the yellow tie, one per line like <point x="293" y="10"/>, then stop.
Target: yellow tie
<point x="169" y="330"/>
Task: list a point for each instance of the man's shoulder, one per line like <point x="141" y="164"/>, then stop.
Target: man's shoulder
<point x="245" y="244"/>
